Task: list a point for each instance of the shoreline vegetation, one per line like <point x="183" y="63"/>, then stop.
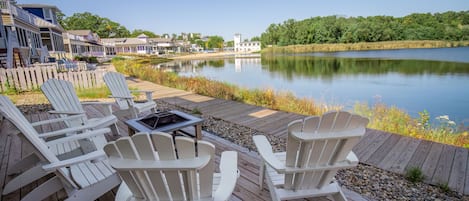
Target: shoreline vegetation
<point x="336" y="47"/>
<point x="363" y="46"/>
<point x="383" y="117"/>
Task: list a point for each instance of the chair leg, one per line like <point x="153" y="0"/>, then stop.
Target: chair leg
<point x="115" y="130"/>
<point x="44" y="190"/>
<point x="261" y="175"/>
<point x="24" y="179"/>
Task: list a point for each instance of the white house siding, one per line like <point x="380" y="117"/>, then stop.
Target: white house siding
<point x="251" y="46"/>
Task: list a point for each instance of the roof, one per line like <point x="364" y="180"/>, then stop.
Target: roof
<point x="44" y="23"/>
<point x="38" y="6"/>
<point x="142" y="36"/>
<point x="126" y="41"/>
<point x="80" y="32"/>
<point x="161" y="40"/>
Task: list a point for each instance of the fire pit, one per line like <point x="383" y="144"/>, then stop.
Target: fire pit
<point x="160" y="119"/>
<point x="171" y="122"/>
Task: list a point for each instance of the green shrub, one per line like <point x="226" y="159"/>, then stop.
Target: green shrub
<point x="414" y="175"/>
<point x="444" y="187"/>
<point x="100" y="92"/>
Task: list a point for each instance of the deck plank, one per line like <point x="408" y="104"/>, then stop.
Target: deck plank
<point x="401" y="154"/>
<point x="362" y="145"/>
<point x="419" y="156"/>
<point x="373" y="145"/>
<point x="459" y="170"/>
<point x="444" y="166"/>
<point x="242" y="110"/>
<point x="431" y="161"/>
<point x="4" y="152"/>
<point x="14" y="156"/>
<point x="383" y="150"/>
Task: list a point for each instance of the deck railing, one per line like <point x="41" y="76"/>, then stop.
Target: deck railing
<point x="31" y="78"/>
<point x="19" y="13"/>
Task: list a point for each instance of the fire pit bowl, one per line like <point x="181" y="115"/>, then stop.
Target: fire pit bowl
<point x="161" y="119"/>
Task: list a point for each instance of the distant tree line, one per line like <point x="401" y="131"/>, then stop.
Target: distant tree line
<point x="453" y="26"/>
<point x="106" y="28"/>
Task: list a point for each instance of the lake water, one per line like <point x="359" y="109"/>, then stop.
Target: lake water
<point x="436" y="80"/>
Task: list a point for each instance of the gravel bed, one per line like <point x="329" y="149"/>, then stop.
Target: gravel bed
<point x="370" y="182"/>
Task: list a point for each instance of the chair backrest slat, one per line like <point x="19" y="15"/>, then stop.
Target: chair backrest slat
<point x="292" y="151"/>
<point x="186" y="149"/>
<point x="206" y="173"/>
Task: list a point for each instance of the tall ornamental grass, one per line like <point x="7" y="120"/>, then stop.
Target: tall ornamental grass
<point x="395" y="120"/>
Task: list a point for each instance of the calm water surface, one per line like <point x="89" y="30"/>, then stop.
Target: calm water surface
<point x="436" y="80"/>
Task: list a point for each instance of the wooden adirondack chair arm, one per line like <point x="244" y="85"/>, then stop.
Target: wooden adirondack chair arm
<point x="108" y="104"/>
<point x="60" y="119"/>
<point x="148" y="94"/>
<point x="96" y="103"/>
<point x="339" y="165"/>
<point x="67" y="112"/>
<point x="180" y="164"/>
<point x="142" y="91"/>
<point x="125" y="97"/>
<point x="79" y="159"/>
<point x="265" y="151"/>
<point x="67" y="130"/>
<point x="88" y="134"/>
<point x="229" y="175"/>
<point x="357" y="132"/>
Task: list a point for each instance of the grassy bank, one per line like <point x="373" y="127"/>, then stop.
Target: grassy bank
<point x="363" y="46"/>
<point x="382" y="117"/>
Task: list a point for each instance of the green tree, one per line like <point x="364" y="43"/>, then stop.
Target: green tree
<point x="60" y="18"/>
<point x="230" y="43"/>
<point x="200" y="43"/>
<point x="332" y="29"/>
<point x="104" y="27"/>
<point x="256" y="38"/>
<point x="137" y="32"/>
<point x="215" y="42"/>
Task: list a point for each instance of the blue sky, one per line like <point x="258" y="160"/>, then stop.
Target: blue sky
<point x="250" y="18"/>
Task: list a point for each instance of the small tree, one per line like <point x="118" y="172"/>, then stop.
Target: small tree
<point x="215" y="42"/>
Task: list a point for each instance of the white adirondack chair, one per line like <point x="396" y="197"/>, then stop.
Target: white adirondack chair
<point x="65" y="102"/>
<point x="120" y="91"/>
<point x="317" y="147"/>
<point x="177" y="171"/>
<point x="85" y="177"/>
<point x="63" y="149"/>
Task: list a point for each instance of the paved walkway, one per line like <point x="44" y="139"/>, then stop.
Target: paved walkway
<point x="441" y="164"/>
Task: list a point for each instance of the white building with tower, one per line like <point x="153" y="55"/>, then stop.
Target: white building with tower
<point x="246" y="46"/>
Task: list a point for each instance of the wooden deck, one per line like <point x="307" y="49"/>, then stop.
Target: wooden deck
<point x="12" y="149"/>
<point x="441" y="163"/>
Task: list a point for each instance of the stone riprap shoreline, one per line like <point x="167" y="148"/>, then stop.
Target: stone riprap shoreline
<point x="370" y="182"/>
